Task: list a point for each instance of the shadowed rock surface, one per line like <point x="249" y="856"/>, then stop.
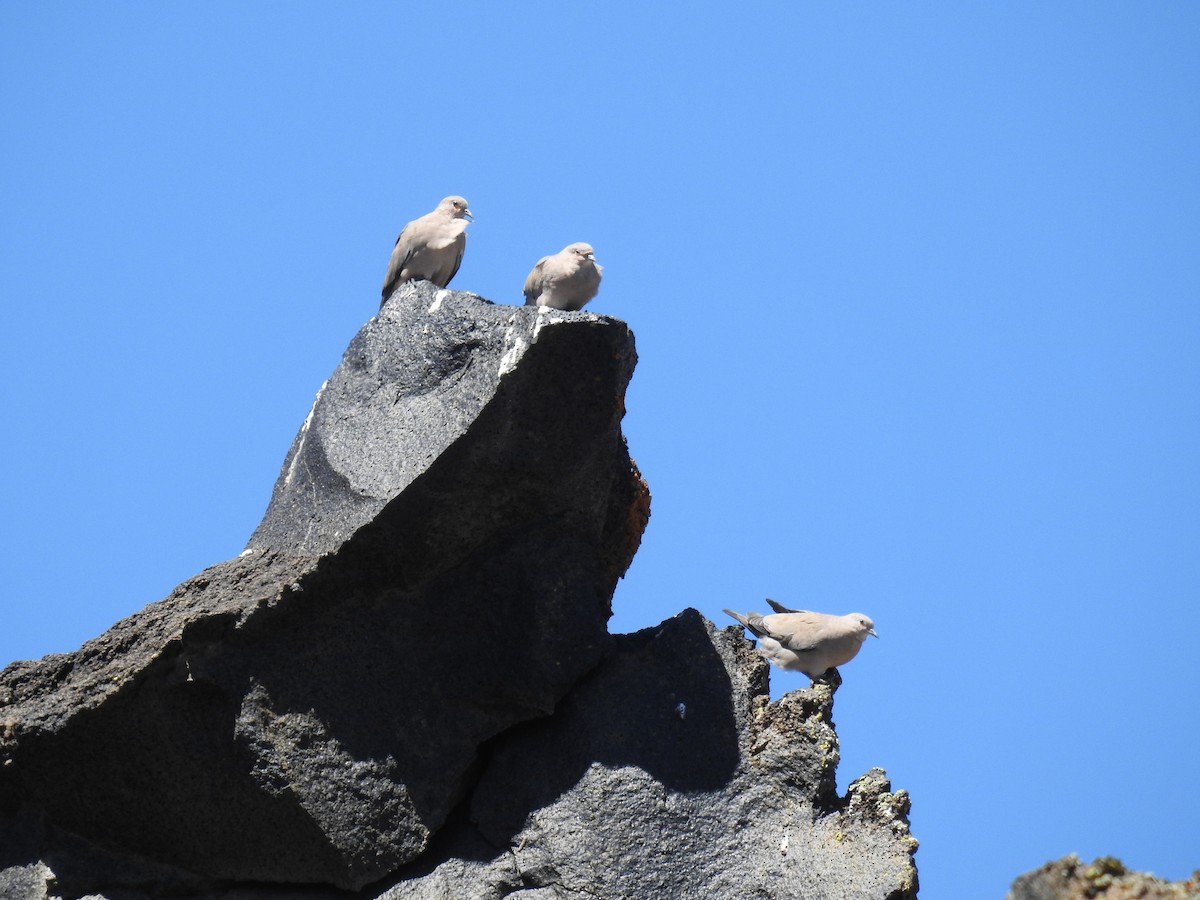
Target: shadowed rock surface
<point x="404" y="687"/>
<point x="1071" y="879"/>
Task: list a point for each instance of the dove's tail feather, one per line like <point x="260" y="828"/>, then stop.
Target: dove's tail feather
<point x="780" y="608"/>
<point x="753" y="621"/>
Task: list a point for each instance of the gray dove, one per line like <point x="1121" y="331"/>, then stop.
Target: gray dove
<point x="808" y="642"/>
<point x="566" y="280"/>
<point x="429" y="248"/>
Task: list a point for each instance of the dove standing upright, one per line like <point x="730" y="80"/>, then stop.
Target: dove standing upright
<point x="566" y="280"/>
<point x="808" y="642"/>
<point x="430" y="247"/>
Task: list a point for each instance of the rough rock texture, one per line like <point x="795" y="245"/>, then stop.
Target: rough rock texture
<point x="437" y="564"/>
<point x="404" y="687"/>
<point x="1070" y="879"/>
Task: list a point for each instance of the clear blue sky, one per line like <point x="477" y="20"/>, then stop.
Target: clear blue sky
<point x="916" y="290"/>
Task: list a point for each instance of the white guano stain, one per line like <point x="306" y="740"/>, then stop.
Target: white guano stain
<point x="513" y="354"/>
<point x="287" y="479"/>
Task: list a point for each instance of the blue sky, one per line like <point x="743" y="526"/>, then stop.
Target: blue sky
<point x="916" y="293"/>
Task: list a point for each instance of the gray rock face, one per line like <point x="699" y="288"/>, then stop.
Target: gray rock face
<point x="436" y="564"/>
<point x="404" y="687"/>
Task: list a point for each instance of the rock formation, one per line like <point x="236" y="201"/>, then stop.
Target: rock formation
<point x="1071" y="879"/>
<point x="404" y="687"/>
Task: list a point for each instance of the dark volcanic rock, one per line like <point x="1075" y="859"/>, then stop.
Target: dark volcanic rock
<point x="436" y="564"/>
<point x="404" y="687"/>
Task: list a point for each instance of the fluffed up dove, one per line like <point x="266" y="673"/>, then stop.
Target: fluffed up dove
<point x="566" y="280"/>
<point x="808" y="642"/>
<point x="430" y="247"/>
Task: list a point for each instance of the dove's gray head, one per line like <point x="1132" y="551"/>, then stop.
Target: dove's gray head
<point x="456" y="207"/>
<point x="865" y="625"/>
<point x="579" y="248"/>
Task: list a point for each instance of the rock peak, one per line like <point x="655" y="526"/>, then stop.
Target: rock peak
<point x="404" y="687"/>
